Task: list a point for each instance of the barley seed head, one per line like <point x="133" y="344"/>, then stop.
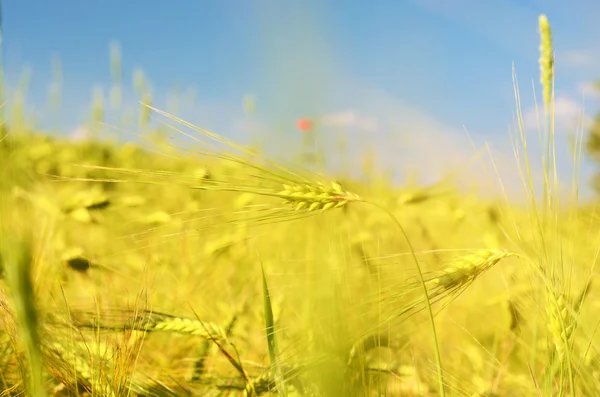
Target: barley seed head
<point x="319" y="196"/>
<point x="546" y="58"/>
<point x="561" y="322"/>
<point x="467" y="268"/>
<point x="185" y="326"/>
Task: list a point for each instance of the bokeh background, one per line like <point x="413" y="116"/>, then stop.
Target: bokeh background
<point x="417" y="83"/>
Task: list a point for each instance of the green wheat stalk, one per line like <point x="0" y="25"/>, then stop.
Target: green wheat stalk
<point x="16" y="257"/>
<point x="271" y="338"/>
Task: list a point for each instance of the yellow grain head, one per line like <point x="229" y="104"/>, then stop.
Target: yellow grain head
<point x="561" y="322"/>
<point x="546" y="59"/>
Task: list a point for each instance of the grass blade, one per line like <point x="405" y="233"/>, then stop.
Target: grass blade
<point x="16" y="258"/>
<point x="271" y="339"/>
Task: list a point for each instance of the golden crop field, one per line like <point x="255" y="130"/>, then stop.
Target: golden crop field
<point x="209" y="268"/>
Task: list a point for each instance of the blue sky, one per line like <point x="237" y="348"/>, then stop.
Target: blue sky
<point x="405" y="76"/>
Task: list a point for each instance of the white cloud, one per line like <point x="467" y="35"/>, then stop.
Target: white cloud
<point x="343" y="118"/>
<point x="409" y="140"/>
<point x="567" y="115"/>
<point x="590" y="90"/>
<point x="349" y="118"/>
<point x="577" y="58"/>
<point x="80" y="133"/>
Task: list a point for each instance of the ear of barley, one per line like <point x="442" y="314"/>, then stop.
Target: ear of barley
<point x="146" y="321"/>
<point x="467" y="268"/>
<point x="546" y="59"/>
<point x="260" y="385"/>
<point x="365" y="344"/>
<point x="516" y="317"/>
<point x="75" y="362"/>
<point x="7" y="350"/>
<point x="265" y="383"/>
<point x="313" y="197"/>
<point x="304" y="191"/>
<point x="83" y="369"/>
<point x="443" y="286"/>
<point x="561" y="322"/>
<point x="207" y="347"/>
<point x="185" y="326"/>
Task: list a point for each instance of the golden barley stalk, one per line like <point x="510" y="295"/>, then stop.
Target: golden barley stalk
<point x="365" y="344"/>
<point x="159" y="322"/>
<point x="265" y="382"/>
<point x="546" y="59"/>
<point x="259" y="385"/>
<point x="80" y="365"/>
<point x="147" y="321"/>
<point x="7" y="350"/>
<point x="467" y="269"/>
<point x="443" y="285"/>
<point x="315" y="197"/>
<point x="82" y="368"/>
<point x="309" y="196"/>
<point x="184" y="326"/>
<point x="206" y="349"/>
<point x="303" y="192"/>
<point x="561" y="322"/>
<point x="516" y="317"/>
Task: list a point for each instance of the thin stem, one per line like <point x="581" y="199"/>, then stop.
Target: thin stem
<point x="438" y="357"/>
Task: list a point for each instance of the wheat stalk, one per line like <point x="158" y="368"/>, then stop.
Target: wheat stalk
<point x="82" y="367"/>
<point x="467" y="269"/>
<point x="318" y="196"/>
<point x="147" y="321"/>
<point x="260" y="385"/>
<point x="265" y="382"/>
<point x="546" y="59"/>
<point x="365" y="344"/>
<point x="561" y="322"/>
<point x="16" y="256"/>
<point x="183" y="326"/>
<point x="448" y="282"/>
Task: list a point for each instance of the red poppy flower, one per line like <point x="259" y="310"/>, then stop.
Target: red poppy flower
<point x="304" y="124"/>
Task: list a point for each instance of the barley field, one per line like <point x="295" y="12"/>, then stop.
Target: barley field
<point x="183" y="263"/>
